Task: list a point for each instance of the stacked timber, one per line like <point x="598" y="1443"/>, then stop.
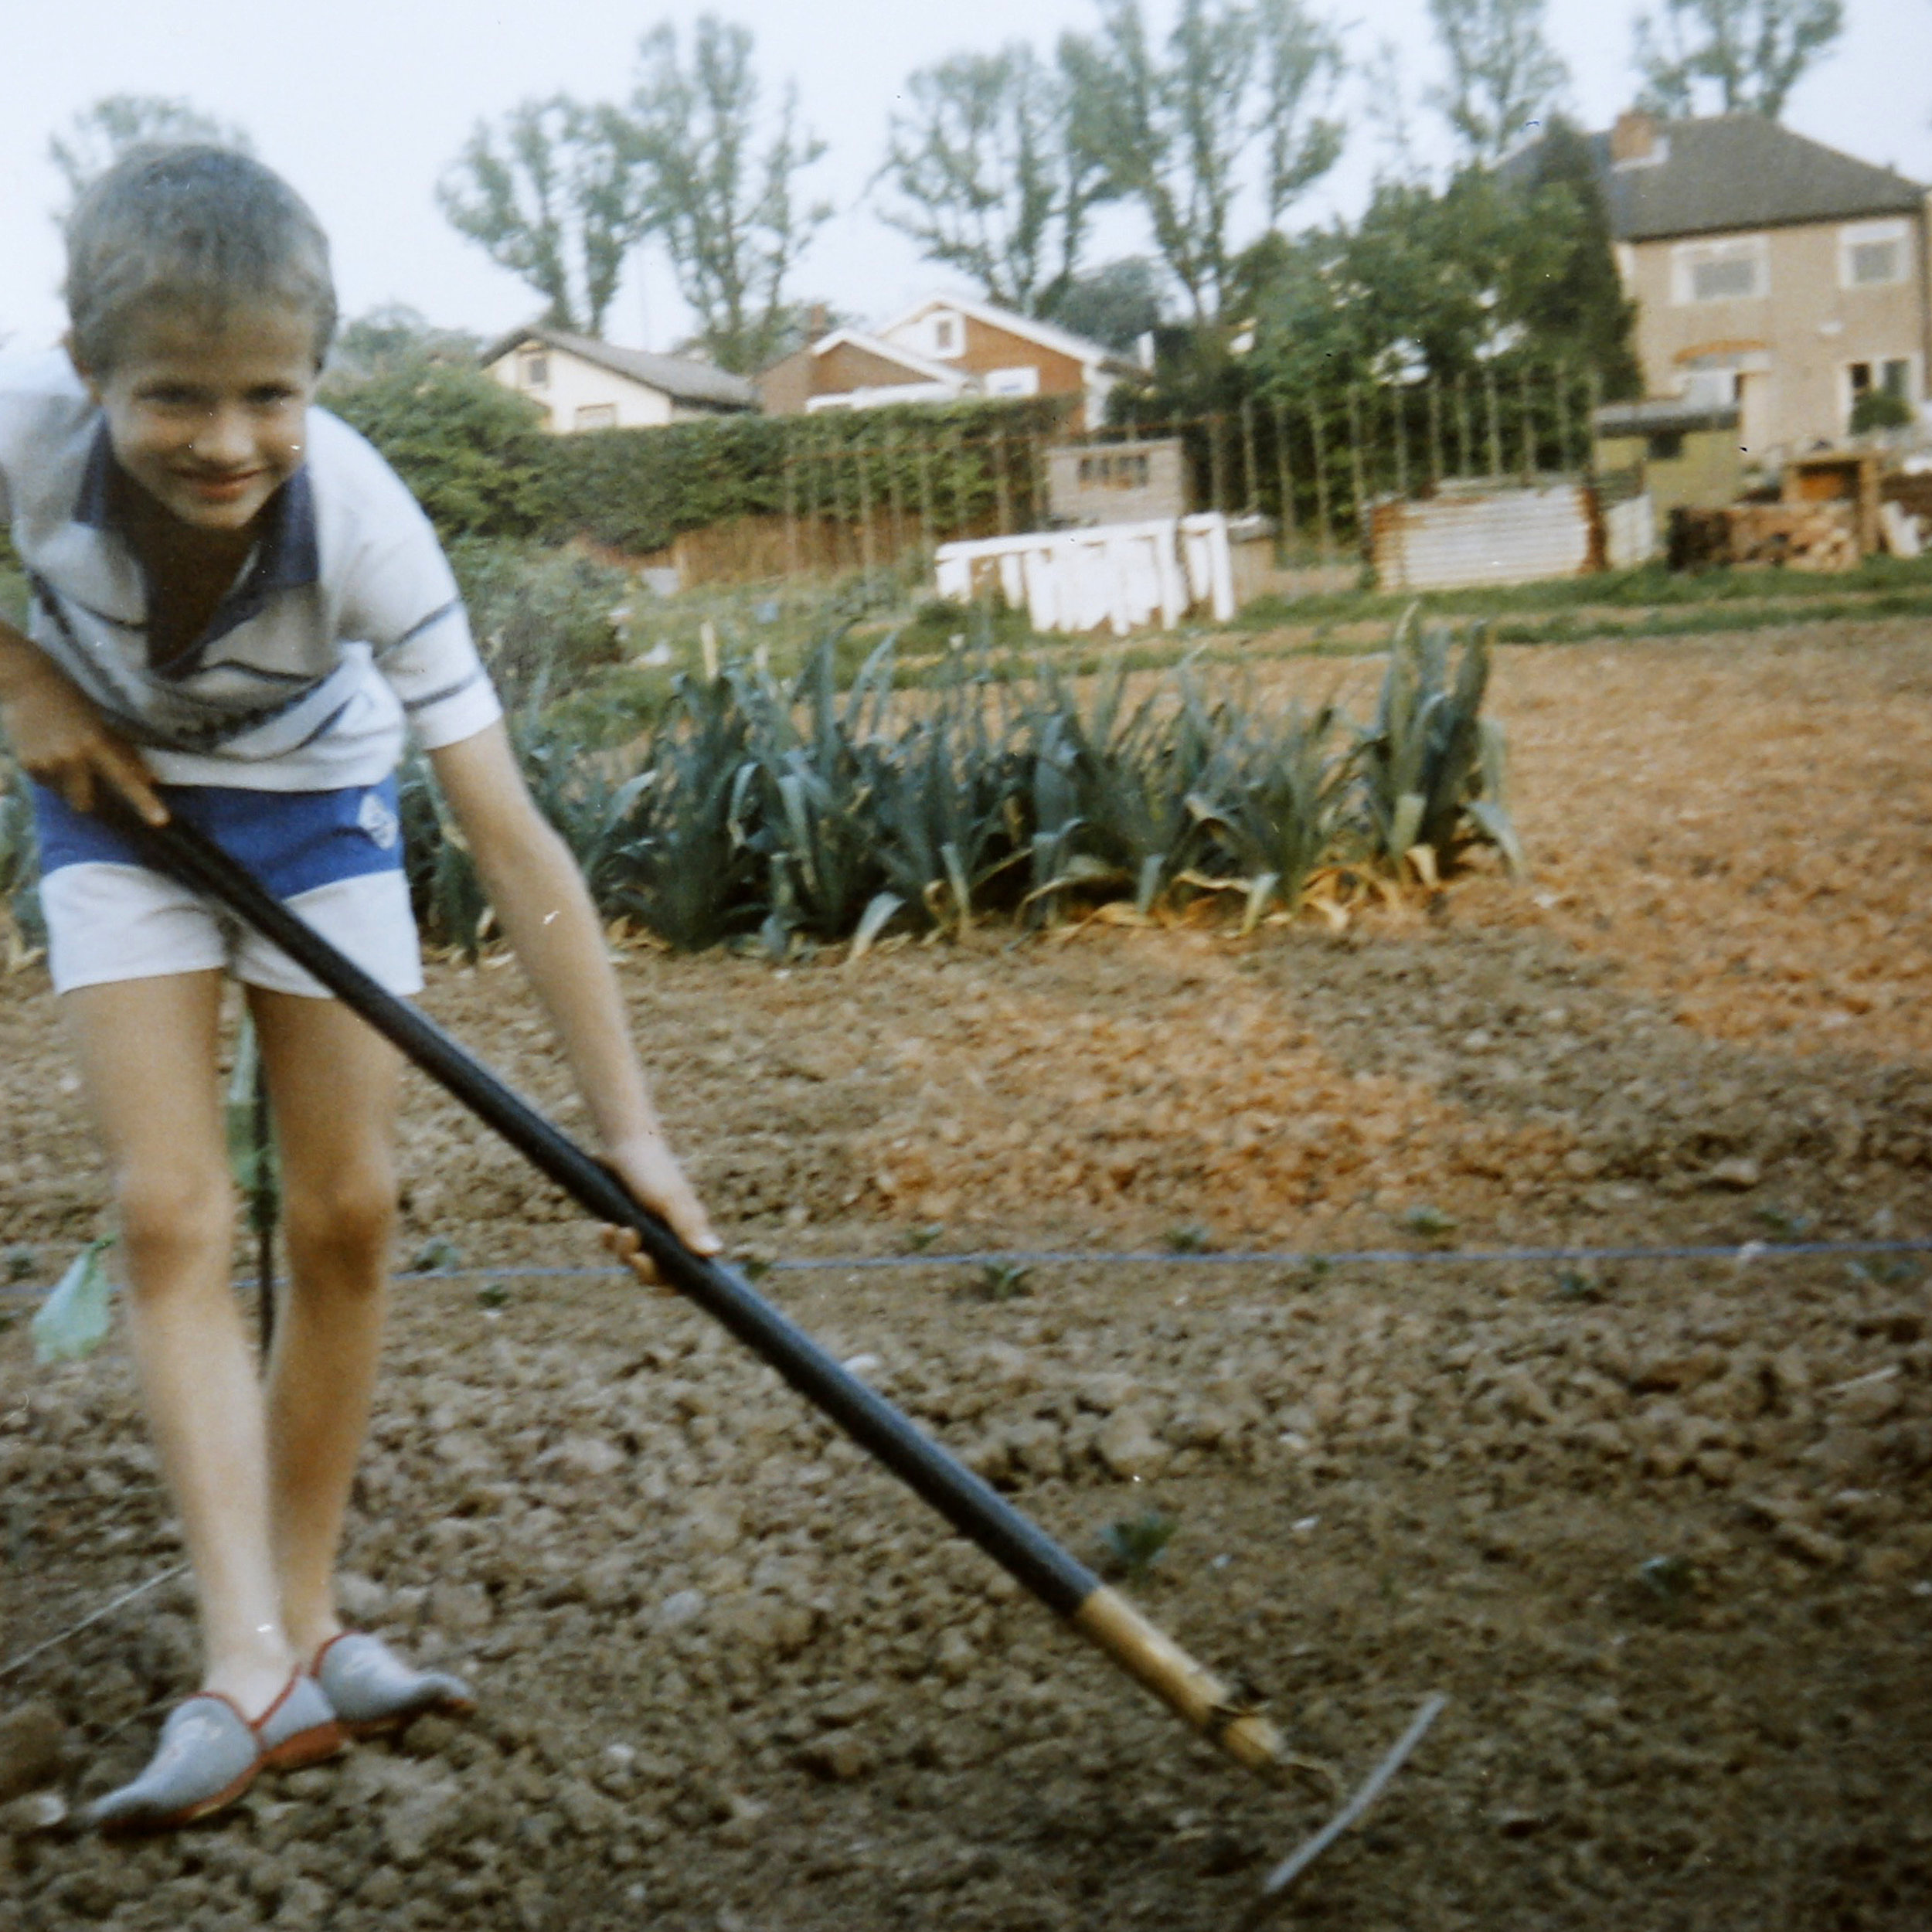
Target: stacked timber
<point x="1796" y="536"/>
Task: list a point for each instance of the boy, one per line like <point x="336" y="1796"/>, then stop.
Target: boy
<point x="236" y="608"/>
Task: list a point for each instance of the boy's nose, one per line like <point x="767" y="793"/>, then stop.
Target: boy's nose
<point x="221" y="439"/>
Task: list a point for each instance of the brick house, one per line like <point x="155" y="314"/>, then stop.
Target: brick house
<point x="581" y="383"/>
<point x="946" y="349"/>
<point x="1770" y="272"/>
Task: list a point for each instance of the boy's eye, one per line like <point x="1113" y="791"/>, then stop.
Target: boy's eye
<point x="272" y="396"/>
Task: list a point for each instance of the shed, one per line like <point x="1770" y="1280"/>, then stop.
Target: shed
<point x="1487" y="535"/>
<point x="1684" y="456"/>
<point x="1127" y="482"/>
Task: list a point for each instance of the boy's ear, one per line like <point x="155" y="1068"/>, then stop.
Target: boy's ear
<point x="80" y="369"/>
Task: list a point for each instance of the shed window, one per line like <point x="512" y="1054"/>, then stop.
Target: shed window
<point x="1871" y="254"/>
<point x="597" y="416"/>
<point x="536" y="371"/>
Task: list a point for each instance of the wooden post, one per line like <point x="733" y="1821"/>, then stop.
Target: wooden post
<point x="1000" y="485"/>
<point x="1464" y="466"/>
<point x="962" y="526"/>
<point x="1217" y="482"/>
<point x="1320" y="480"/>
<point x="1435" y="433"/>
<point x="1495" y="421"/>
<point x="1287" y="474"/>
<point x="1247" y="452"/>
<point x="895" y="496"/>
<point x="1529" y="424"/>
<point x="1560" y="375"/>
<point x="925" y="494"/>
<point x="812" y="504"/>
<point x="1399" y="412"/>
<point x="791" y="517"/>
<point x="1355" y="466"/>
<point x="860" y="471"/>
<point x="1594" y="396"/>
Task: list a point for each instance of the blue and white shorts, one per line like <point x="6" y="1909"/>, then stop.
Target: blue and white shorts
<point x="335" y="857"/>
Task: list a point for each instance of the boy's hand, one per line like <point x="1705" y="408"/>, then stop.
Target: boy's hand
<point x="63" y="742"/>
<point x="649" y="1169"/>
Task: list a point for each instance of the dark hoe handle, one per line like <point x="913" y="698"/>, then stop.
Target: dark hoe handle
<point x="972" y="1506"/>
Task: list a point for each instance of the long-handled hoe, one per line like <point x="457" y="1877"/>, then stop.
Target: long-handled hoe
<point x="975" y="1510"/>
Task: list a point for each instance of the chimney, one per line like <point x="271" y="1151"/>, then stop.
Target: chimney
<point x="1633" y="138"/>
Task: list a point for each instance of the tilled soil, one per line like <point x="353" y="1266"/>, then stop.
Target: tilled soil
<point x="1657" y="1528"/>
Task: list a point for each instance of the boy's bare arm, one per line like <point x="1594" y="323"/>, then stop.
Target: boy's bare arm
<point x="58" y="736"/>
<point x="545" y="913"/>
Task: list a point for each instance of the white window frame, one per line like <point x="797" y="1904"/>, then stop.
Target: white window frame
<point x="1914" y="387"/>
<point x="946" y="330"/>
<point x="1687" y="257"/>
<point x="534" y="366"/>
<point x="595" y="416"/>
<point x="1865" y="234"/>
<point x="1020" y="379"/>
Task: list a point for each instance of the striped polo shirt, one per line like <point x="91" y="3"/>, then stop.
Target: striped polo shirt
<point x="343" y="630"/>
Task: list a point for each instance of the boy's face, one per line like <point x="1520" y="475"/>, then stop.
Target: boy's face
<point x="211" y="422"/>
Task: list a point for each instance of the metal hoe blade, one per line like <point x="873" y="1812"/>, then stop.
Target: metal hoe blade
<point x="1298" y="1861"/>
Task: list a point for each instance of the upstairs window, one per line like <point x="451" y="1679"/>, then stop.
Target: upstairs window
<point x="948" y="337"/>
<point x="1719" y="271"/>
<point x="536" y="371"/>
<point x="1871" y="254"/>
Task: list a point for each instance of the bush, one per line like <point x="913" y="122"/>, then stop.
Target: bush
<point x="543" y="618"/>
<point x="1880" y="408"/>
<point x="471" y="450"/>
<point x="636" y="490"/>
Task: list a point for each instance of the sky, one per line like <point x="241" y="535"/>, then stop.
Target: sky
<point x="364" y="104"/>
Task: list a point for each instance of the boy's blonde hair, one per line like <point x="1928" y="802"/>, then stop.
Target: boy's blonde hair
<point x="190" y="226"/>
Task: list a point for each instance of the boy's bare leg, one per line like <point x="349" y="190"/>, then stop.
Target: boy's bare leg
<point x="334" y="1084"/>
<point x="146" y="1049"/>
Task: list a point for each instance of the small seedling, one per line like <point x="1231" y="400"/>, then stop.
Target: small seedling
<point x="1572" y="1285"/>
<point x="1786" y="1226"/>
<point x="919" y="1239"/>
<point x="1888" y="1271"/>
<point x="1319" y="1268"/>
<point x="754" y="1267"/>
<point x="1429" y="1222"/>
<point x="439" y="1251"/>
<point x="1669" y="1579"/>
<point x="1132" y="1547"/>
<point x="1187" y="1237"/>
<point x="492" y="1294"/>
<point x="73" y="1321"/>
<point x="1003" y="1281"/>
<point x="21" y="1265"/>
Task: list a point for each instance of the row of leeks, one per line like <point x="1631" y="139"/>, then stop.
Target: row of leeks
<point x="784" y="813"/>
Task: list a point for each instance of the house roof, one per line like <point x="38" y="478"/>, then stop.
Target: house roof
<point x="676" y="377"/>
<point x="1081" y="348"/>
<point x="1663" y="414"/>
<point x="1731" y="171"/>
<point x="913" y="363"/>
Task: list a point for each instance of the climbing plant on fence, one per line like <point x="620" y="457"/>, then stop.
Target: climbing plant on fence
<point x="930" y="472"/>
<point x="797" y="811"/>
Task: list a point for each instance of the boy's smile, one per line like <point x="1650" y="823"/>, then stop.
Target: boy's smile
<point x="211" y="421"/>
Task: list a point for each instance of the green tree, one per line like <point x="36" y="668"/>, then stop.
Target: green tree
<point x="1744" y="56"/>
<point x="98" y="136"/>
<point x="1175" y="128"/>
<point x="1502" y="71"/>
<point x="552" y="195"/>
<point x="725" y="208"/>
<point x="394" y="337"/>
<point x="989" y="178"/>
<point x="1114" y="304"/>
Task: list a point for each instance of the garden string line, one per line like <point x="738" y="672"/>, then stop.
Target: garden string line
<point x="1745" y="1252"/>
<point x="1735" y="1251"/>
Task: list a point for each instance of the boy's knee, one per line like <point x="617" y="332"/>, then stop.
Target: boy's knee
<point x="173" y="1211"/>
<point x="348" y="1213"/>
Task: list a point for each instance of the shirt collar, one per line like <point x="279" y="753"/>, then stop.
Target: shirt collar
<point x="286" y="554"/>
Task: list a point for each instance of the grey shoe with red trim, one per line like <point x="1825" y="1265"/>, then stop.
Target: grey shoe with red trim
<point x="209" y="1754"/>
<point x="371" y="1690"/>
